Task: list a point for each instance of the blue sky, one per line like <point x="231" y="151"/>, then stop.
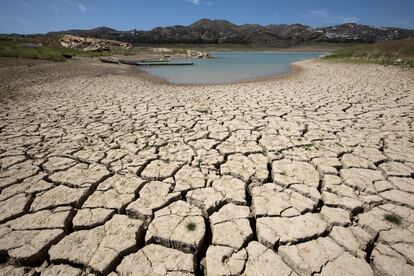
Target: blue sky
<point x="40" y="16"/>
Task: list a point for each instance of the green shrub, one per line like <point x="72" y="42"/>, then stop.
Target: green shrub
<point x="393" y="219"/>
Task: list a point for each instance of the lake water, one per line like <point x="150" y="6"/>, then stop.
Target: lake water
<point x="228" y="67"/>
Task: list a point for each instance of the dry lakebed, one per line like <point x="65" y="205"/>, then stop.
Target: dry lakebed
<point x="107" y="171"/>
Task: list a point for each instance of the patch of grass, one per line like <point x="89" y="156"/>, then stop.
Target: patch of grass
<point x="393" y="219"/>
<point x="396" y="52"/>
<point x="307" y="147"/>
<point x="199" y="162"/>
<point x="191" y="226"/>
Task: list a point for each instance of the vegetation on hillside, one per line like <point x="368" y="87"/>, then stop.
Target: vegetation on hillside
<point x="396" y="52"/>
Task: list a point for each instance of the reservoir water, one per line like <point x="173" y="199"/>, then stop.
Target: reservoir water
<point x="228" y="67"/>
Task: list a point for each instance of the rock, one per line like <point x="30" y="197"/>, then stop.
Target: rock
<point x="253" y="167"/>
<point x="61" y="270"/>
<point x="271" y="200"/>
<point x="59" y="196"/>
<point x="230" y="226"/>
<point x="179" y="225"/>
<point x="345" y="265"/>
<point x="88" y="44"/>
<point x="155" y="259"/>
<point x="335" y="216"/>
<point x="309" y="257"/>
<point x="287" y="172"/>
<point x="159" y="170"/>
<point x="153" y="196"/>
<point x="223" y="260"/>
<point x="90" y="218"/>
<point x="354" y="239"/>
<point x="273" y="230"/>
<point x="81" y="175"/>
<point x="13" y="207"/>
<point x="29" y="246"/>
<point x="264" y="261"/>
<point x="188" y="178"/>
<point x="99" y="247"/>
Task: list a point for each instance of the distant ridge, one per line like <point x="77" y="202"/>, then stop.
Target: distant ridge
<point x="221" y="31"/>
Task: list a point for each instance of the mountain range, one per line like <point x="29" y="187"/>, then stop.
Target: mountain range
<point x="206" y="31"/>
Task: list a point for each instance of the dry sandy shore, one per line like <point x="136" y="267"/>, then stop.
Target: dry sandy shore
<point x="106" y="172"/>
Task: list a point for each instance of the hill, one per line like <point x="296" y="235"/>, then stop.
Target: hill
<point x="206" y="31"/>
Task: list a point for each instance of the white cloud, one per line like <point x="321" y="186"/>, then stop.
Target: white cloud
<point x="200" y="2"/>
<point x="81" y="7"/>
<point x="26" y="5"/>
<point x="328" y="18"/>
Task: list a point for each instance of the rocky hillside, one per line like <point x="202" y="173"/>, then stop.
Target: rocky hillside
<point x="221" y="31"/>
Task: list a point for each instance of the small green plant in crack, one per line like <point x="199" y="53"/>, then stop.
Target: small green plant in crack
<point x="328" y="189"/>
<point x="199" y="162"/>
<point x="307" y="147"/>
<point x="191" y="226"/>
<point x="393" y="219"/>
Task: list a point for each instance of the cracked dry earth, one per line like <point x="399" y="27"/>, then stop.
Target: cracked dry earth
<point x="113" y="174"/>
